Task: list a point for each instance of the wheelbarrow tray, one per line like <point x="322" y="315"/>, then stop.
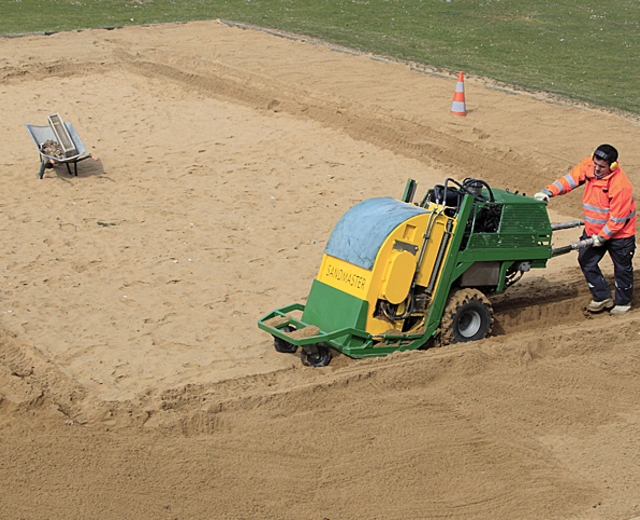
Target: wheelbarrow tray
<point x="41" y="134"/>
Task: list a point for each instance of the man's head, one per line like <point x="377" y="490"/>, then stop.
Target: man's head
<point x="604" y="160"/>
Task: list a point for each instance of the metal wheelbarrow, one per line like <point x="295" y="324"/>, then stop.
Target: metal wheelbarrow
<point x="58" y="143"/>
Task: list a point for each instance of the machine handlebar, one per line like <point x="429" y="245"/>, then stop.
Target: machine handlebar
<point x="567" y="225"/>
<point x="572" y="247"/>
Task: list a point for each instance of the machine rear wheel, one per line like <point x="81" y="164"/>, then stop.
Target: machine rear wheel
<point x="468" y="316"/>
<point x="317" y="355"/>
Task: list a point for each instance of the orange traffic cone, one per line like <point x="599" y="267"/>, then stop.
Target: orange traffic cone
<point x="458" y="106"/>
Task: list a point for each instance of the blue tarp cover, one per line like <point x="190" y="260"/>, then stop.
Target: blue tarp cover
<point x="362" y="230"/>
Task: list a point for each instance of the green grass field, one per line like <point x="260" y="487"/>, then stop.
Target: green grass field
<point x="587" y="51"/>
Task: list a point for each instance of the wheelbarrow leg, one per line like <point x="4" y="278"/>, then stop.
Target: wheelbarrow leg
<point x="42" y="167"/>
<point x="68" y="169"/>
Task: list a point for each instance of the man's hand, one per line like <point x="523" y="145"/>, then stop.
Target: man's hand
<point x="542" y="197"/>
<point x="598" y="241"/>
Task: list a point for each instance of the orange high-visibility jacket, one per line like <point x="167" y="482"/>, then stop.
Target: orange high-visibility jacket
<point x="607" y="203"/>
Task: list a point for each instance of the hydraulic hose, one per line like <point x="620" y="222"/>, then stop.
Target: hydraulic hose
<point x="407" y="311"/>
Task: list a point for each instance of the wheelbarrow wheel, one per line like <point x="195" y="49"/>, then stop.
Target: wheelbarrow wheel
<point x="316" y="355"/>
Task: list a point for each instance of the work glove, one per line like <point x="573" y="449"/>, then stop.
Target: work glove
<point x="598" y="241"/>
<point x="542" y="197"/>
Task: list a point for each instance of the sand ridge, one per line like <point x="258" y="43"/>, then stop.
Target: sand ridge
<point x="133" y="379"/>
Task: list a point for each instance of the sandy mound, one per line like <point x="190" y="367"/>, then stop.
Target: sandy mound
<point x="134" y="382"/>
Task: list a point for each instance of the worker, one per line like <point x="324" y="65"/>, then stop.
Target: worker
<point x="609" y="219"/>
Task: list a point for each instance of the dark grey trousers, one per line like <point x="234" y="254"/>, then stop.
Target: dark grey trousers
<point x="621" y="251"/>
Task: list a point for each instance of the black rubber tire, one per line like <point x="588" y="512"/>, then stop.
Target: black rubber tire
<point x="283" y="346"/>
<point x="468" y="316"/>
<point x="317" y="355"/>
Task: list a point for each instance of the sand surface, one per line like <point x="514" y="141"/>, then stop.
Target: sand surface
<point x="134" y="382"/>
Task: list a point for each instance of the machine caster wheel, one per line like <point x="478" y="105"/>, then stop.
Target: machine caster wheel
<point x="468" y="316"/>
<point x="316" y="355"/>
<point x="284" y="346"/>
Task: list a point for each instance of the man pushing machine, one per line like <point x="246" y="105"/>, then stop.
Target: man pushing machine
<point x="609" y="211"/>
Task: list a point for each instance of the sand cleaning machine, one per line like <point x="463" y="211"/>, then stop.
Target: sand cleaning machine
<point x="398" y="275"/>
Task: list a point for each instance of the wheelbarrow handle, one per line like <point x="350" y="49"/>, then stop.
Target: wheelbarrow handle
<point x="86" y="157"/>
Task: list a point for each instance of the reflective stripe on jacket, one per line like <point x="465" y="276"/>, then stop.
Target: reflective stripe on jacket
<point x="607" y="203"/>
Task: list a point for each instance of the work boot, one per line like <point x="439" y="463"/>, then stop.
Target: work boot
<point x="620" y="309"/>
<point x="595" y="306"/>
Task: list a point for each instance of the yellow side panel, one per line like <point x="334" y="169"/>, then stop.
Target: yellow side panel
<point x="398" y="276"/>
<point x="346" y="277"/>
<point x="410" y="232"/>
<point x="415" y="229"/>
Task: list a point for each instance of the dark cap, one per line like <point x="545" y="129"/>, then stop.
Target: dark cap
<point x="606" y="152"/>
